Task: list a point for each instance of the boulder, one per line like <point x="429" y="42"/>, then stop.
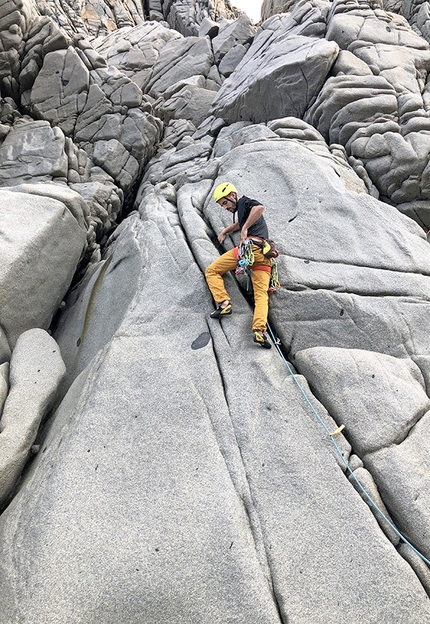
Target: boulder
<point x="33" y="152"/>
<point x="179" y="60"/>
<point x="41" y="248"/>
<point x="36" y="369"/>
<point x="276" y="63"/>
<point x="377" y="397"/>
<point x="239" y="32"/>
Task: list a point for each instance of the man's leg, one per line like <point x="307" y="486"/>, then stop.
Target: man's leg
<point x="215" y="271"/>
<point x="260" y="283"/>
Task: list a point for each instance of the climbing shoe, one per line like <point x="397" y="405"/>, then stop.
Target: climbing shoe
<point x="261" y="339"/>
<point x="216" y="314"/>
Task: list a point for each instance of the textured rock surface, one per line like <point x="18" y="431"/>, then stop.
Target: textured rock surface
<point x="229" y="464"/>
<point x="36" y="369"/>
<point x="180" y="473"/>
<point x="41" y="244"/>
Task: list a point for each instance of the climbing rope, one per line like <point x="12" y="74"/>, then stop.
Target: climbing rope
<point x="331" y="435"/>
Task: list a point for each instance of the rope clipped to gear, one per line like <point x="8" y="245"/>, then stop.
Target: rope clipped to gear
<point x="331" y="435"/>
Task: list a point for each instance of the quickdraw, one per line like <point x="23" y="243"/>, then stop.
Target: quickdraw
<point x="274" y="278"/>
<point x="245" y="257"/>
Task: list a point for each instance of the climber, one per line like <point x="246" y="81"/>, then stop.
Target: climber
<point x="253" y="228"/>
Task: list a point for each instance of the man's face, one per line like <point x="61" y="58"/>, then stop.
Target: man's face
<point x="228" y="202"/>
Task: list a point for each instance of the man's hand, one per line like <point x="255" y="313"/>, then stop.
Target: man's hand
<point x="227" y="230"/>
<point x="221" y="237"/>
<point x="243" y="235"/>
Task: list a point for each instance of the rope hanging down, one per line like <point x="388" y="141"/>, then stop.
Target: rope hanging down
<point x="331" y="435"/>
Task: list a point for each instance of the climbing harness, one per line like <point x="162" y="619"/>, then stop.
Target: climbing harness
<point x="245" y="261"/>
<point x="332" y="435"/>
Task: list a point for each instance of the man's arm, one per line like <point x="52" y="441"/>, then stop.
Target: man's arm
<point x="233" y="227"/>
<point x="254" y="214"/>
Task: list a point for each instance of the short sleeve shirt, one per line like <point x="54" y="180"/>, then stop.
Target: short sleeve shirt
<point x="259" y="228"/>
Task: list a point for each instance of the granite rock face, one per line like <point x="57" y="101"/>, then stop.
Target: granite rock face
<point x="157" y="465"/>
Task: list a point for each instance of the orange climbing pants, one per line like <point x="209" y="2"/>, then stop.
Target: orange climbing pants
<point x="260" y="276"/>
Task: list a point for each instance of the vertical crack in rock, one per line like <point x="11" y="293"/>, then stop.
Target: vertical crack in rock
<point x="244" y="491"/>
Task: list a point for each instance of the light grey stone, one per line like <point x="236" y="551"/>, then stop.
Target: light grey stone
<point x="105" y="201"/>
<point x="377" y="397"/>
<point x="419" y="566"/>
<point x="349" y="64"/>
<point x="239" y="32"/>
<point x="36" y="369"/>
<point x="65" y="79"/>
<point x="231" y="60"/>
<point x="363" y="482"/>
<point x="5" y="351"/>
<point x="237" y="462"/>
<point x="293" y="128"/>
<point x="208" y="27"/>
<point x="135" y="50"/>
<point x="314" y="218"/>
<point x="4" y="384"/>
<point x="176" y="130"/>
<point x="355" y="279"/>
<point x="114" y="158"/>
<point x="271" y="7"/>
<point x="403" y="483"/>
<point x="375" y="104"/>
<point x="33" y="152"/>
<point x="191" y="103"/>
<point x="41" y="246"/>
<point x="74" y="202"/>
<point x="275" y="65"/>
<point x="179" y="60"/>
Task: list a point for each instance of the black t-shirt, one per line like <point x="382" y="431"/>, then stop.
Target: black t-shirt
<point x="259" y="228"/>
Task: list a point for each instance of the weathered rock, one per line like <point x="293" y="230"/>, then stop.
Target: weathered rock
<point x="5" y="351"/>
<point x="66" y="79"/>
<point x="125" y="448"/>
<point x="41" y="247"/>
<point x="238" y="33"/>
<point x="4" y="384"/>
<point x="191" y="102"/>
<point x="179" y="60"/>
<point x="33" y="152"/>
<point x="399" y="475"/>
<point x="363" y="482"/>
<point x="224" y="462"/>
<point x="36" y="369"/>
<point x="231" y="60"/>
<point x="135" y="50"/>
<point x="271" y="7"/>
<point x="95" y="18"/>
<point x="377" y="397"/>
<point x="290" y="67"/>
<point x="381" y="115"/>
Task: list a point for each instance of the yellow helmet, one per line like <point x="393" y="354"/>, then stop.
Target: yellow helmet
<point x="224" y="189"/>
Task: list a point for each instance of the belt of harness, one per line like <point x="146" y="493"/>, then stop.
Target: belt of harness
<point x="245" y="260"/>
<point x="268" y="247"/>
